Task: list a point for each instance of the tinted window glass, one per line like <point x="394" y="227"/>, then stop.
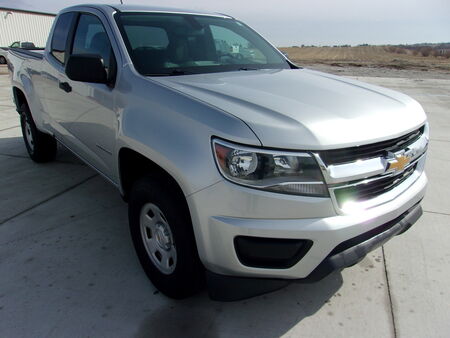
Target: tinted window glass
<point x="176" y="44"/>
<point x="91" y="38"/>
<point x="231" y="45"/>
<point x="28" y="45"/>
<point x="153" y="37"/>
<point x="60" y="34"/>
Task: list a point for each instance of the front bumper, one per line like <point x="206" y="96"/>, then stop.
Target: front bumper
<point x="348" y="253"/>
<point x="355" y="249"/>
<point x="224" y="211"/>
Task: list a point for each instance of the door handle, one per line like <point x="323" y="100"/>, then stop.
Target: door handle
<point x="65" y="86"/>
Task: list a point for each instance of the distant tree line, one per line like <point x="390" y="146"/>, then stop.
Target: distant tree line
<point x="309" y="46"/>
<point x="425" y="49"/>
<point x="419" y="49"/>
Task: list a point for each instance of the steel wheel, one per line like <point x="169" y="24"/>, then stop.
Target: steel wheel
<point x="41" y="147"/>
<point x="158" y="238"/>
<point x="162" y="233"/>
<point x="29" y="136"/>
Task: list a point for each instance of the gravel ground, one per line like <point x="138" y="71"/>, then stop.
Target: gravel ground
<point x="378" y="71"/>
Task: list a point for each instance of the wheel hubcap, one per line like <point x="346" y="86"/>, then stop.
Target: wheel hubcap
<point x="29" y="136"/>
<point x="163" y="237"/>
<point x="158" y="239"/>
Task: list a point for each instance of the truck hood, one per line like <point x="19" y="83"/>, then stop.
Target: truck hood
<point x="305" y="109"/>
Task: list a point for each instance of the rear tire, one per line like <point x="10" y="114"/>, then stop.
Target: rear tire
<point x="163" y="237"/>
<point x="41" y="147"/>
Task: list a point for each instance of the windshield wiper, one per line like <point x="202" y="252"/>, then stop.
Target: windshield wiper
<point x="178" y="72"/>
<point x="174" y="72"/>
<point x="247" y="68"/>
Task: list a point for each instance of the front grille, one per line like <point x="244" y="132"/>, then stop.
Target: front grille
<point x="371" y="189"/>
<point x="379" y="149"/>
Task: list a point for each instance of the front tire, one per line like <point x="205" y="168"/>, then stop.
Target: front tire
<point x="41" y="147"/>
<point x="2" y="60"/>
<point x="163" y="237"/>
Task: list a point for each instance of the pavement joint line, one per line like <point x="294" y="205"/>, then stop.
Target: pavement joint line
<point x="55" y="161"/>
<point x="389" y="293"/>
<point x="437" y="212"/>
<point x="48" y="199"/>
<point x="32" y="234"/>
<point x="10" y="128"/>
<point x="11" y="155"/>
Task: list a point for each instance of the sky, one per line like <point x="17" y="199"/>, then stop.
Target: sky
<point x="320" y="22"/>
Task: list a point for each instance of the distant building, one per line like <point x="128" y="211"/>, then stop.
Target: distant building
<point x="24" y="26"/>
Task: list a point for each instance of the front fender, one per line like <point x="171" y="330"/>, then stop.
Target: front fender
<point x="175" y="130"/>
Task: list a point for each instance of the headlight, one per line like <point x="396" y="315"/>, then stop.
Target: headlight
<point x="276" y="171"/>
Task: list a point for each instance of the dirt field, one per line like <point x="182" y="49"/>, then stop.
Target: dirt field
<point x="335" y="59"/>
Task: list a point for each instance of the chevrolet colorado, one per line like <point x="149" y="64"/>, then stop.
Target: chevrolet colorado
<point x="241" y="170"/>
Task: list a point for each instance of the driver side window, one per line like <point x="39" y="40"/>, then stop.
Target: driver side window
<point x="91" y="38"/>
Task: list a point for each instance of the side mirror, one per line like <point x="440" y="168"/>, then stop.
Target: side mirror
<point x="86" y="68"/>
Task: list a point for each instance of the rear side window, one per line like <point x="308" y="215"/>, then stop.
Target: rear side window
<point x="60" y="35"/>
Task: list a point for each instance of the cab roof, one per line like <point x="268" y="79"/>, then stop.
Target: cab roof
<point x="142" y="8"/>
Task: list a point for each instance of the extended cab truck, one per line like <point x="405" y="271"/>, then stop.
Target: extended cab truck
<point x="236" y="164"/>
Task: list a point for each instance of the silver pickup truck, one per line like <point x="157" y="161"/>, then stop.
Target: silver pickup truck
<point x="241" y="169"/>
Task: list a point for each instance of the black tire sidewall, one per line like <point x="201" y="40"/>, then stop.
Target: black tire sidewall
<point x="25" y="117"/>
<point x="45" y="145"/>
<point x="187" y="278"/>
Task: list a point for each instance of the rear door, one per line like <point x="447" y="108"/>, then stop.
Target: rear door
<point x="52" y="74"/>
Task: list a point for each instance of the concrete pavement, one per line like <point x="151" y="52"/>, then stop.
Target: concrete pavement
<point x="68" y="268"/>
<point x="418" y="262"/>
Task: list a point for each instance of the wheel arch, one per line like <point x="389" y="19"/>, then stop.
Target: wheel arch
<point x="19" y="98"/>
<point x="133" y="165"/>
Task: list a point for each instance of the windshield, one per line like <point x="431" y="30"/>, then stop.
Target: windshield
<point x="175" y="44"/>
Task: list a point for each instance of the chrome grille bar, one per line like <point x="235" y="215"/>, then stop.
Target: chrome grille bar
<point x="367" y="180"/>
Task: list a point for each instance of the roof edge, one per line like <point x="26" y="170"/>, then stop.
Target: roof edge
<point x="125" y="8"/>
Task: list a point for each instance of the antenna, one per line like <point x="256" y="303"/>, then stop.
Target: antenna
<point x="121" y="2"/>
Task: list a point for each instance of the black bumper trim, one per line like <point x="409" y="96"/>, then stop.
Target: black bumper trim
<point x="354" y="250"/>
<point x="350" y="252"/>
<point x="231" y="288"/>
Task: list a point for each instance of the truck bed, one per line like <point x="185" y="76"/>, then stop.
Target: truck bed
<point x="37" y="53"/>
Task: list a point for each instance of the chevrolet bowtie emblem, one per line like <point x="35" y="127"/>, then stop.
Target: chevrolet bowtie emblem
<point x="398" y="163"/>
